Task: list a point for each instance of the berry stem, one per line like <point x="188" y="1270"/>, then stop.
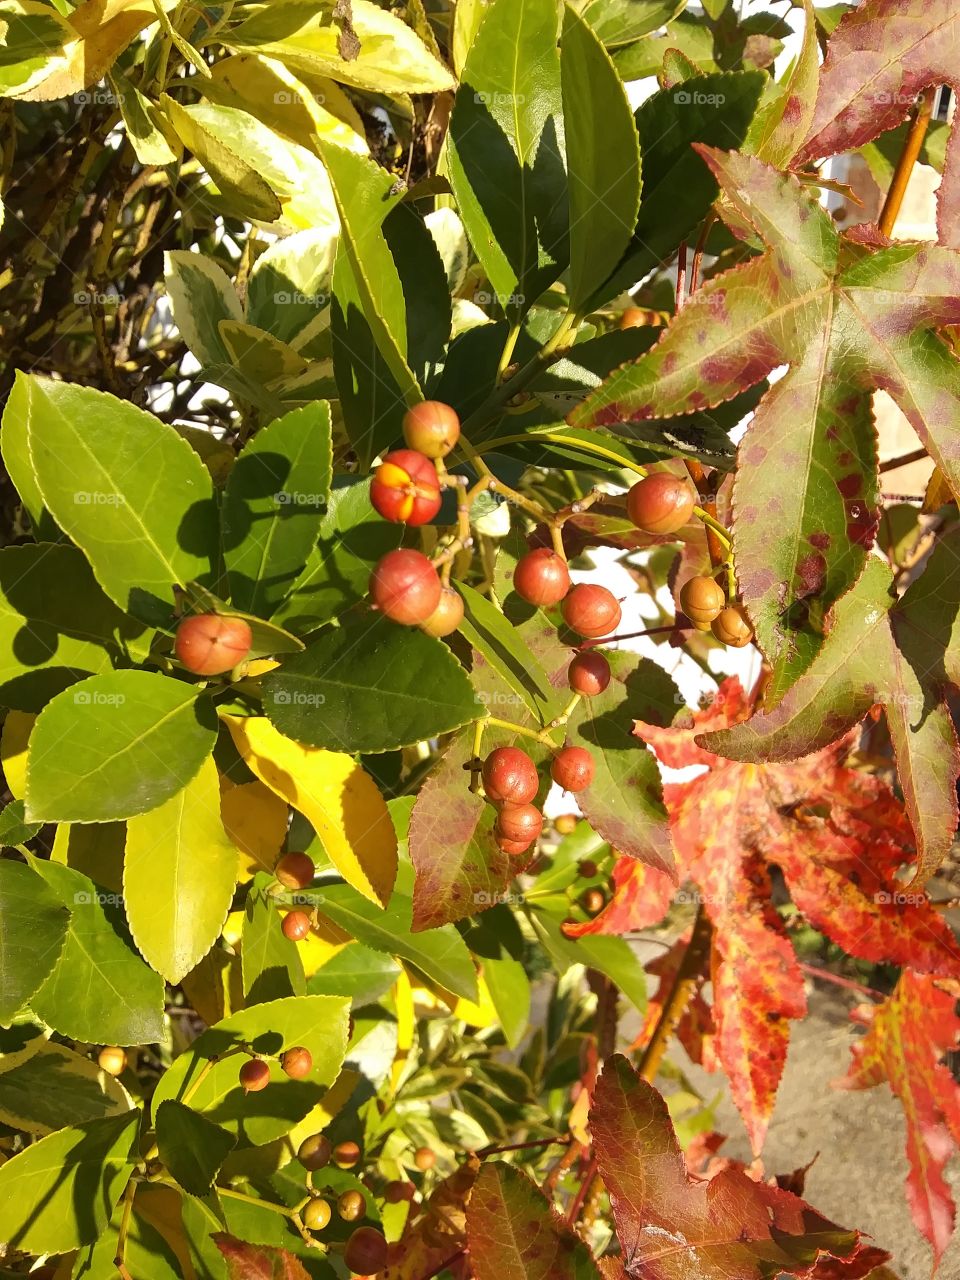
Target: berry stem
<point x="508" y="349"/>
<point x="120" y="1260"/>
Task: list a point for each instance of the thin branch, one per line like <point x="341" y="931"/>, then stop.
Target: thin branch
<point x="684" y="985"/>
<point x="920" y="123"/>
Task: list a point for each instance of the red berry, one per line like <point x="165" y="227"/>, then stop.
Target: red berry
<point x="346" y="1155"/>
<point x="541" y="577"/>
<point x="397" y="1192"/>
<point x="589" y="673"/>
<point x="314" y="1152"/>
<point x="366" y="1252"/>
<point x="295" y="870"/>
<point x="432" y="428"/>
<point x="702" y="600"/>
<point x="661" y="503"/>
<point x="405" y="587"/>
<point x="405" y="487"/>
<point x="296" y="926"/>
<point x="733" y="627"/>
<point x="447" y="616"/>
<point x="208" y="644"/>
<point x="297" y="1062"/>
<point x="512" y="848"/>
<point x="519" y="822"/>
<point x="254" y="1075"/>
<point x="591" y="610"/>
<point x="634" y="318"/>
<point x="510" y="776"/>
<point x="573" y="768"/>
<point x="588" y="869"/>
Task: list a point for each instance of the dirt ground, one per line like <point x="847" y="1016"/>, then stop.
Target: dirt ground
<point x="858" y="1179"/>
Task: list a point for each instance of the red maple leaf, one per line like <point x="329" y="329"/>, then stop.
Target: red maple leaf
<point x="673" y="1227"/>
<point x="838" y="836"/>
<point x="907" y="1035"/>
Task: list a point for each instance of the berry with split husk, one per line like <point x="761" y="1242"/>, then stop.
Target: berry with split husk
<point x="405" y="488"/>
<point x="209" y="644"/>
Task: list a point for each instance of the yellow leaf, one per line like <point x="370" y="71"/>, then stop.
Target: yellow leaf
<point x="340" y="801"/>
<point x="577" y="1120"/>
<point x="93" y="848"/>
<point x="479" y="1013"/>
<point x="316" y="950"/>
<point x="334" y="1100"/>
<point x="406" y="1022"/>
<point x="260" y="667"/>
<point x="214" y="987"/>
<point x="255" y="819"/>
<point x="938" y="493"/>
<point x="13" y="750"/>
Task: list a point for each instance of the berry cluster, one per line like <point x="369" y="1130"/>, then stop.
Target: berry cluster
<point x="297" y="1063"/>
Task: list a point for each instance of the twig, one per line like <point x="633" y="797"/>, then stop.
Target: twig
<point x="848" y="984"/>
<point x="684" y="984"/>
<point x="922" y="114"/>
<point x="892" y="464"/>
<point x="525" y="1146"/>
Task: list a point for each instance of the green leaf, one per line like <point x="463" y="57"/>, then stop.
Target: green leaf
<point x="202" y="295"/>
<point x="14" y="829"/>
<point x="143" y="120"/>
<point x="305" y="37"/>
<point x="100" y="991"/>
<point x="15" y="447"/>
<point x="509" y="989"/>
<point x="513" y="1232"/>
<point x="270" y="963"/>
<point x="237" y="181"/>
<point x="612" y="957"/>
<point x="56" y="624"/>
<point x="439" y="953"/>
<point x="192" y="1147"/>
<point x="678" y="188"/>
<point x="59" y="1193"/>
<point x="620" y="22"/>
<point x="144" y="528"/>
<point x="369" y="686"/>
<point x="33" y="927"/>
<point x="319" y="1023"/>
<point x="147" y="1251"/>
<point x="47" y="1086"/>
<point x="289" y="285"/>
<point x="778" y="130"/>
<point x="497" y="639"/>
<point x="114" y="746"/>
<point x="624" y="802"/>
<point x="273" y="505"/>
<point x="355" y="971"/>
<point x="603" y="158"/>
<point x="688" y="35"/>
<point x="505" y="151"/>
<point x="353" y="537"/>
<point x="179" y="873"/>
<point x="426" y="294"/>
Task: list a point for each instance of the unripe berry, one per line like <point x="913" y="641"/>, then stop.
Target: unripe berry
<point x="295" y="871"/>
<point x="566" y="824"/>
<point x="573" y="768"/>
<point x="510" y="776"/>
<point x="661" y="503"/>
<point x="702" y="599"/>
<point x="346" y="1155"/>
<point x="316" y="1215"/>
<point x="424" y="1158"/>
<point x="447" y="616"/>
<point x="351" y="1206"/>
<point x="254" y="1075"/>
<point x="591" y="610"/>
<point x="405" y="587"/>
<point x="732" y="627"/>
<point x="366" y="1252"/>
<point x="589" y="673"/>
<point x="519" y="822"/>
<point x="432" y="428"/>
<point x="297" y="1062"/>
<point x="208" y="644"/>
<point x="296" y="926"/>
<point x="112" y="1059"/>
<point x="405" y="487"/>
<point x="314" y="1152"/>
<point x="541" y="577"/>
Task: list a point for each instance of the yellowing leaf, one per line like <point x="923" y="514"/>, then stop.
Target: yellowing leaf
<point x="340" y="801"/>
<point x="255" y="819"/>
<point x="316" y="950"/>
<point x="334" y="1100"/>
<point x="179" y="874"/>
<point x="14" y="741"/>
<point x="480" y="1012"/>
